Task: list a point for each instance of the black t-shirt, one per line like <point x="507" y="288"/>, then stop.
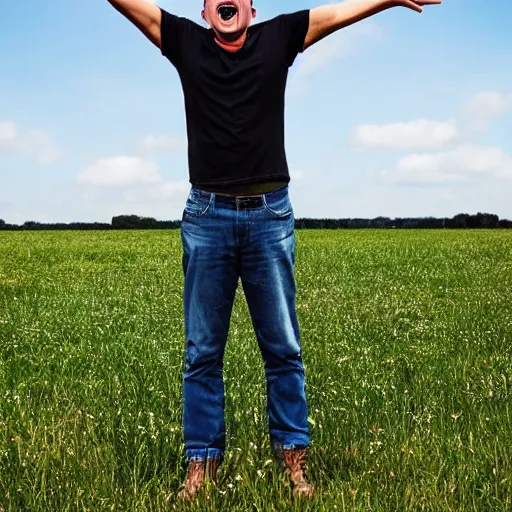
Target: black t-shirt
<point x="234" y="102"/>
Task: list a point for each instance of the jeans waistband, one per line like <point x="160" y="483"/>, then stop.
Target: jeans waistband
<point x="243" y="202"/>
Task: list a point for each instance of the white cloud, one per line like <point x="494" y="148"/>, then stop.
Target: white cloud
<point x="486" y="104"/>
<point x="317" y="55"/>
<point x="165" y="191"/>
<point x="155" y="144"/>
<point x="427" y="134"/>
<point x="36" y="143"/>
<point x="134" y="181"/>
<point x="451" y="166"/>
<point x="442" y="167"/>
<point x="446" y="194"/>
<point x="406" y="176"/>
<point x="418" y="134"/>
<point x="483" y="106"/>
<point x="8" y="132"/>
<point x="337" y="46"/>
<point x="120" y="171"/>
<point x="297" y="174"/>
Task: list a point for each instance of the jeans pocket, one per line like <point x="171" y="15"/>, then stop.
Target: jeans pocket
<point x="280" y="208"/>
<point x="198" y="203"/>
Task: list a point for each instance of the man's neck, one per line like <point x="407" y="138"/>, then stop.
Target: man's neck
<point x="231" y="45"/>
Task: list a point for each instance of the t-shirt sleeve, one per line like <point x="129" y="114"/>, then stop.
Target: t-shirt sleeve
<point x="294" y="28"/>
<point x="174" y="33"/>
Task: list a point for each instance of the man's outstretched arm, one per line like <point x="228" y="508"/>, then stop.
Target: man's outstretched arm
<point x="144" y="15"/>
<point x="327" y="19"/>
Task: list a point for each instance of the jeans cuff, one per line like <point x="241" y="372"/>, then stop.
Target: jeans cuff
<point x="279" y="447"/>
<point x="204" y="454"/>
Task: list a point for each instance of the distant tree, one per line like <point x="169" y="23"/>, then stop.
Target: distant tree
<point x="381" y="222"/>
<point x="430" y="223"/>
<point x="359" y="223"/>
<point x="460" y="221"/>
<point x="473" y="222"/>
<point x="407" y="223"/>
<point x="168" y="224"/>
<point x="133" y="222"/>
<point x="487" y="220"/>
<point x="82" y="226"/>
<point x="31" y="224"/>
<point x="483" y="221"/>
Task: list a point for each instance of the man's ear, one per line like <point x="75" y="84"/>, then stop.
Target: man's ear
<point x="254" y="12"/>
<point x="202" y="15"/>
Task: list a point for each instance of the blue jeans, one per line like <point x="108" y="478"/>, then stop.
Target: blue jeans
<point x="222" y="243"/>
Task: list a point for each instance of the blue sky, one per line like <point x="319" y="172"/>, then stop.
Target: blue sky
<point x="400" y="115"/>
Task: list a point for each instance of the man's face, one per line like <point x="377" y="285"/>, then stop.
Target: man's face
<point x="228" y="17"/>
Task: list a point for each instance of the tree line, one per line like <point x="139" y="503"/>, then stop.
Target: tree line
<point x="460" y="221"/>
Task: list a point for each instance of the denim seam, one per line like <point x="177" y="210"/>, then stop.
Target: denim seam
<point x="203" y="212"/>
<point x="281" y="213"/>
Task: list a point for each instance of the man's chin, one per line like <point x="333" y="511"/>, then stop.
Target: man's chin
<point x="229" y="32"/>
<point x="227" y="28"/>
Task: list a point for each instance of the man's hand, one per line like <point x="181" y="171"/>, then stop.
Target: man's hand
<point x="327" y="19"/>
<point x="144" y="15"/>
<point x="416" y="5"/>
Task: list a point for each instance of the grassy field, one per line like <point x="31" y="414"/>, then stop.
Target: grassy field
<point x="407" y="341"/>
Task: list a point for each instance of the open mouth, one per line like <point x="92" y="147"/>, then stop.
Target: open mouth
<point x="227" y="11"/>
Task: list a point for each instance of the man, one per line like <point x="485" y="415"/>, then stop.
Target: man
<point x="238" y="221"/>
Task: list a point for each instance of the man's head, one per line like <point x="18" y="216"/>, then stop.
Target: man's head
<point x="228" y="18"/>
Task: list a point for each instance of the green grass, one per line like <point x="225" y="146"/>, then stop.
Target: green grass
<point x="407" y="341"/>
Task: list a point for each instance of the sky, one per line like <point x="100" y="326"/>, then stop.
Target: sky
<point x="400" y="115"/>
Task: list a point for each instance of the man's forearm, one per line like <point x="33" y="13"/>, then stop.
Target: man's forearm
<point x="327" y="19"/>
<point x="351" y="11"/>
<point x="144" y="15"/>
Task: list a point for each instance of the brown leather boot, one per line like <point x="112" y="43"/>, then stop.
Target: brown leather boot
<point x="197" y="474"/>
<point x="295" y="462"/>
